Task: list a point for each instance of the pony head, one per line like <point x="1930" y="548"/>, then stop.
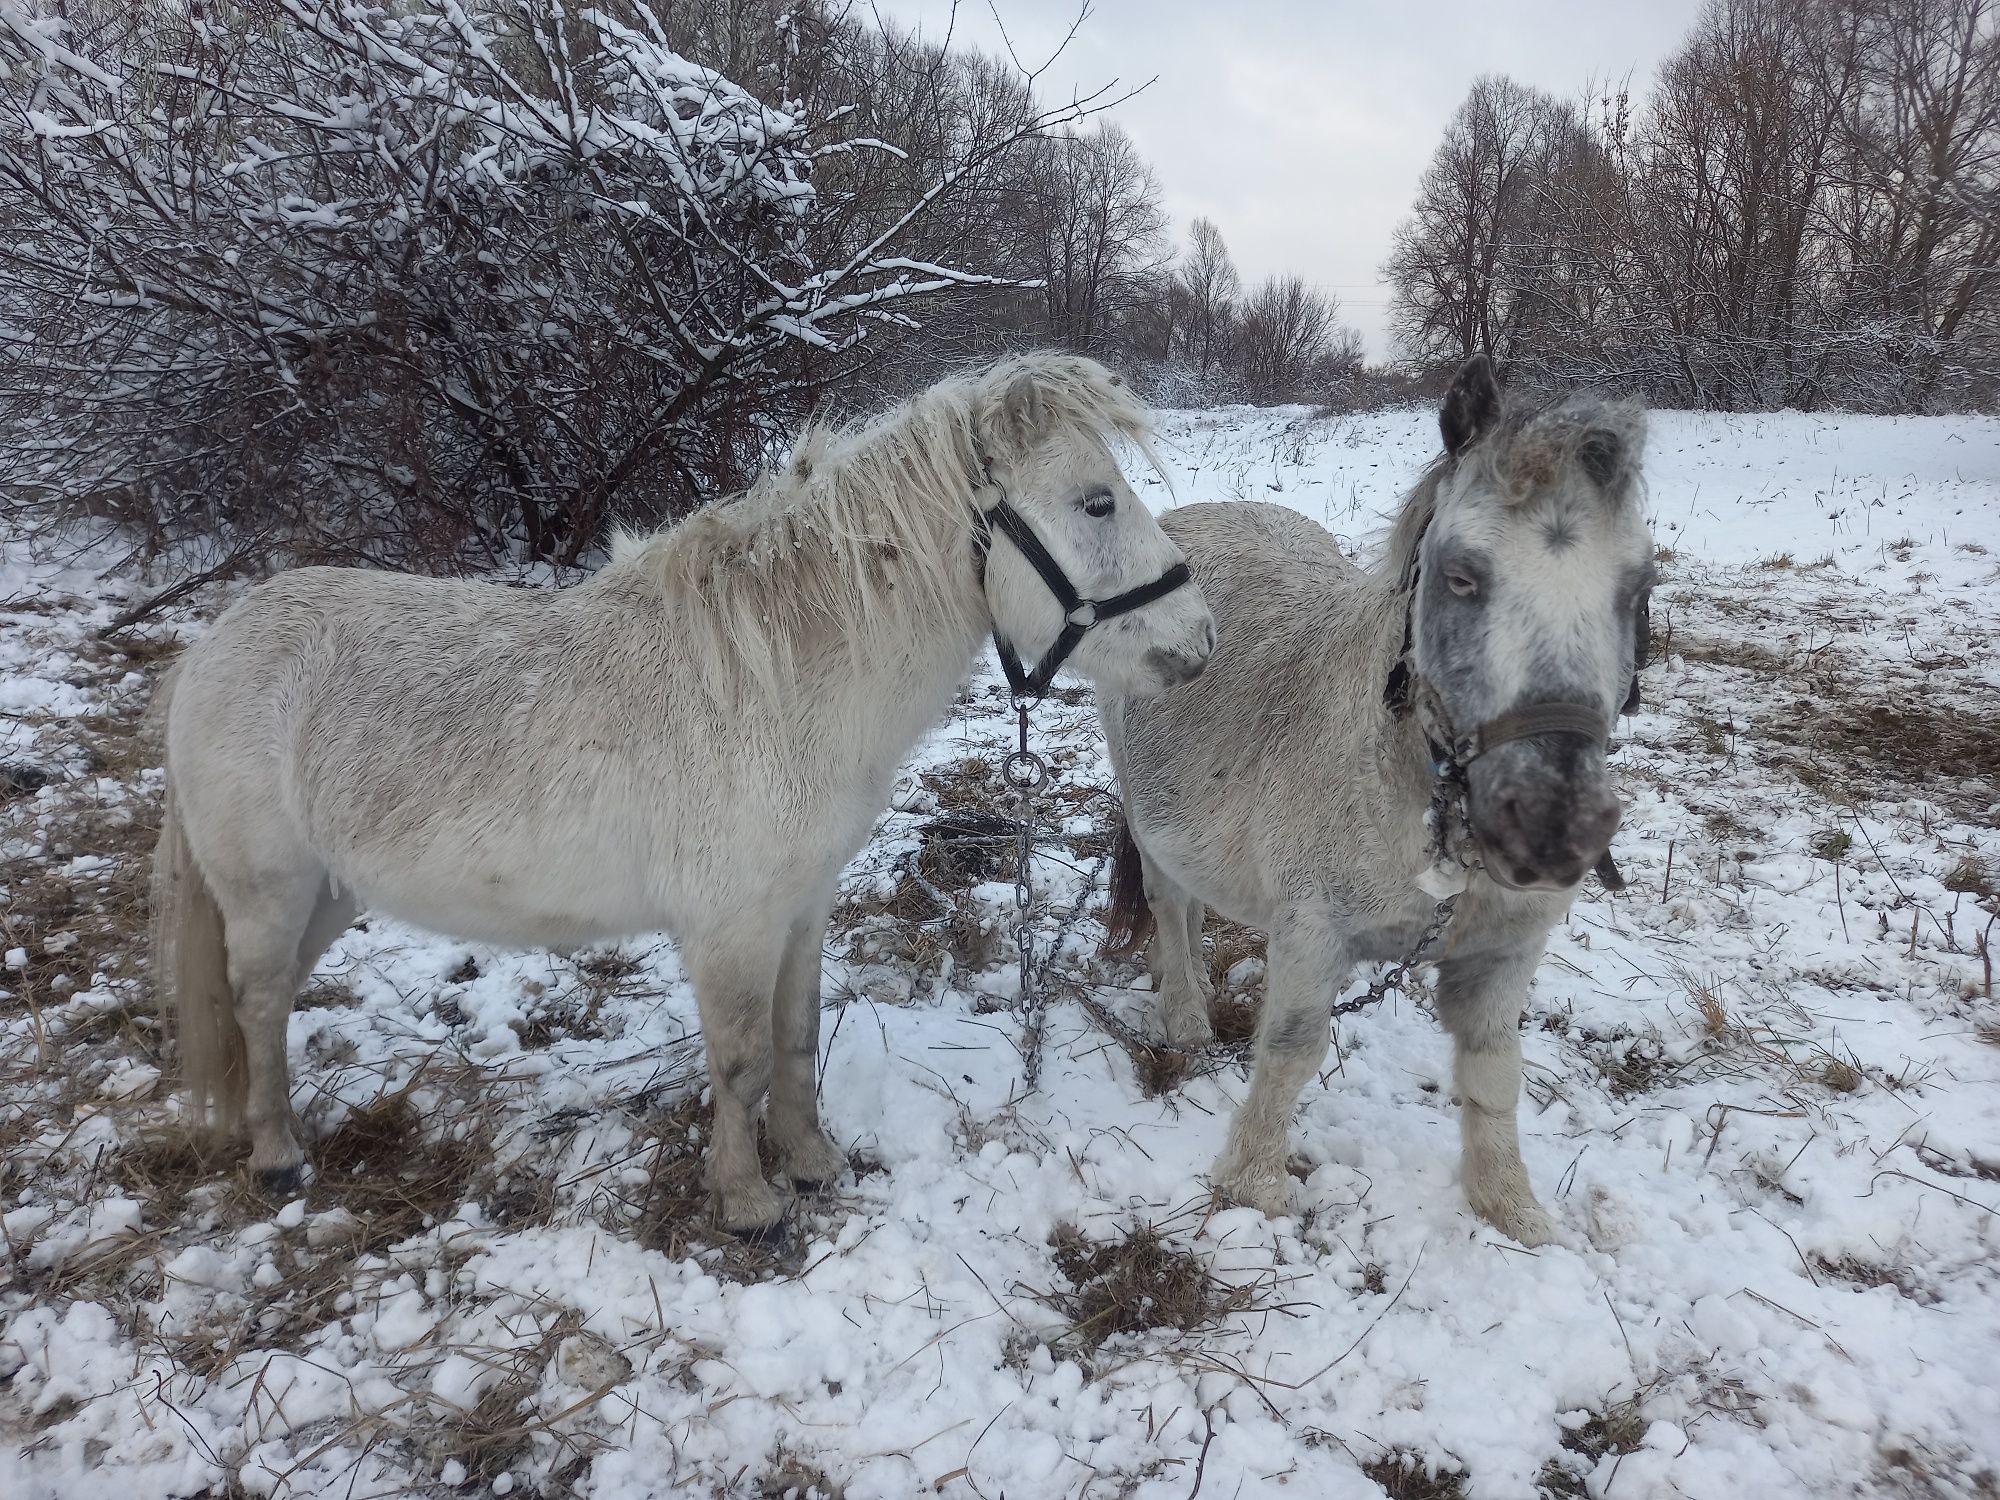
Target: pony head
<point x="1044" y="426"/>
<point x="1531" y="567"/>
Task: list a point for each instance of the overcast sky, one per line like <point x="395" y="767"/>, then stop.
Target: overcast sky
<point x="1301" y="127"/>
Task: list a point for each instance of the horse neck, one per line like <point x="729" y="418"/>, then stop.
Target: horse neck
<point x="1401" y="760"/>
<point x="897" y="677"/>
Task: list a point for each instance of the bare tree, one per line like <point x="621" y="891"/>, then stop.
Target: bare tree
<point x="1804" y="211"/>
<point x="1290" y="344"/>
<point x="1209" y="286"/>
<point x="1915" y="216"/>
<point x="1102" y="233"/>
<point x="1457" y="264"/>
<point x="1734" y="158"/>
<point x="340" y="281"/>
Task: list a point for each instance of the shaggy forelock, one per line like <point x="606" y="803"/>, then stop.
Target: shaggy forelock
<point x="1529" y="451"/>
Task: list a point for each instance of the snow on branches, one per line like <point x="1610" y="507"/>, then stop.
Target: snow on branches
<point x="409" y="279"/>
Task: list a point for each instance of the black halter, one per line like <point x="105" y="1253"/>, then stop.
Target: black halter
<point x="1079" y="613"/>
<point x="1450" y="756"/>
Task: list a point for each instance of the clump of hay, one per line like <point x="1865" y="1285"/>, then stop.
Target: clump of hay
<point x="1133" y="1283"/>
<point x="1410" y="1476"/>
<point x="1617" y="1430"/>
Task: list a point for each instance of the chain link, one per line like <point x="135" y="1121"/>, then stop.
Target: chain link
<point x="1400" y="970"/>
<point x="1027" y="773"/>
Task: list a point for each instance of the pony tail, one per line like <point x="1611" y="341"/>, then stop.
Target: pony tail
<point x="191" y="976"/>
<point x="1128" y="920"/>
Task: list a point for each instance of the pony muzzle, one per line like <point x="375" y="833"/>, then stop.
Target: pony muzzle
<point x="1543" y="811"/>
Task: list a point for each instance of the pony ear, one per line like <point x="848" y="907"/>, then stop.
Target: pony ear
<point x="1471" y="406"/>
<point x="1602" y="454"/>
<point x="1013" y="418"/>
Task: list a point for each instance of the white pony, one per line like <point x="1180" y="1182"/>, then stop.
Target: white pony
<point x="695" y="740"/>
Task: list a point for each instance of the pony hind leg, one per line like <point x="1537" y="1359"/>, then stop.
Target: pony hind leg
<point x="1174" y="958"/>
<point x="1480" y="1001"/>
<point x="805" y="1153"/>
<point x="267" y="916"/>
<point x="735" y="980"/>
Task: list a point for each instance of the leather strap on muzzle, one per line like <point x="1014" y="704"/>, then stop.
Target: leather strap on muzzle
<point x="1529" y="723"/>
<point x="1450" y="758"/>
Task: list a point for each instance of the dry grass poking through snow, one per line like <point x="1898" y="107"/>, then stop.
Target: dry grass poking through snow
<point x="1754" y="1103"/>
<point x="1134" y="1283"/>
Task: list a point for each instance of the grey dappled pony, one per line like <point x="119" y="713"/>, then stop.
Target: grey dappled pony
<point x="1287" y="788"/>
<point x="694" y="740"/>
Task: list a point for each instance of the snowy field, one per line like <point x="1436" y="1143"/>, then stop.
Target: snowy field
<point x="1761" y="1103"/>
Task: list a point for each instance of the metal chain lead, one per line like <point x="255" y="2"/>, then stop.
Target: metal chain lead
<point x="1026" y="773"/>
<point x="1400" y="970"/>
<point x="1450" y="824"/>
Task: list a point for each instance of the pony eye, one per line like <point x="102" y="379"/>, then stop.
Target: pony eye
<point x="1099" y="503"/>
<point x="1462" y="584"/>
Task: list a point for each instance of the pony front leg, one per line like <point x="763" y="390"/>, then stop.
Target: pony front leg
<point x="733" y="986"/>
<point x="805" y="1154"/>
<point x="1480" y="1001"/>
<point x="1306" y="967"/>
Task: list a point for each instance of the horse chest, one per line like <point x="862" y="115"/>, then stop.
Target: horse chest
<point x="1387" y="941"/>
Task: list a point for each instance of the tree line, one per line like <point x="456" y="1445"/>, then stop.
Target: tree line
<point x="429" y="284"/>
<point x="1803" y="210"/>
<point x="413" y="283"/>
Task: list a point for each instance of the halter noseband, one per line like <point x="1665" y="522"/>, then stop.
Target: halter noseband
<point x="1528" y="723"/>
<point x="1079" y="614"/>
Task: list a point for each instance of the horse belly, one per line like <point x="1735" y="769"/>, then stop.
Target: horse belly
<point x="537" y="903"/>
<point x="1209" y="858"/>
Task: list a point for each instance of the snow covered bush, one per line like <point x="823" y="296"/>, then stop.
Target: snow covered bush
<point x="415" y="280"/>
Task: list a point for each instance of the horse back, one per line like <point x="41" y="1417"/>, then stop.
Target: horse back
<point x="1259" y="775"/>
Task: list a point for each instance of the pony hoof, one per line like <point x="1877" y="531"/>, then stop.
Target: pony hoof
<point x="750" y="1211"/>
<point x="281" y="1182"/>
<point x="1268" y="1190"/>
<point x="815" y="1163"/>
<point x="1527" y="1225"/>
<point x="1184" y="1022"/>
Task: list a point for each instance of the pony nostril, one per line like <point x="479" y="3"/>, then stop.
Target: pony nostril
<point x="1208" y="638"/>
<point x="1597" y="825"/>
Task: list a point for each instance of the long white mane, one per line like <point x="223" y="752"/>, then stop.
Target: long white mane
<point x="868" y="527"/>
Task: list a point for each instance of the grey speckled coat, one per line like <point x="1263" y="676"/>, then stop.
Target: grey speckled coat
<point x="1280" y="790"/>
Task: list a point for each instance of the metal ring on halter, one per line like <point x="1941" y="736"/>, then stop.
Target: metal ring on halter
<point x="1024" y="771"/>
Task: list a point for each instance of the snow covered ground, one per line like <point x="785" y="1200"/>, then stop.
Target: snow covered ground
<point x="1761" y="1104"/>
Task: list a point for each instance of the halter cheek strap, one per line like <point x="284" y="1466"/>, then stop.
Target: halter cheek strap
<point x="1079" y="614"/>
